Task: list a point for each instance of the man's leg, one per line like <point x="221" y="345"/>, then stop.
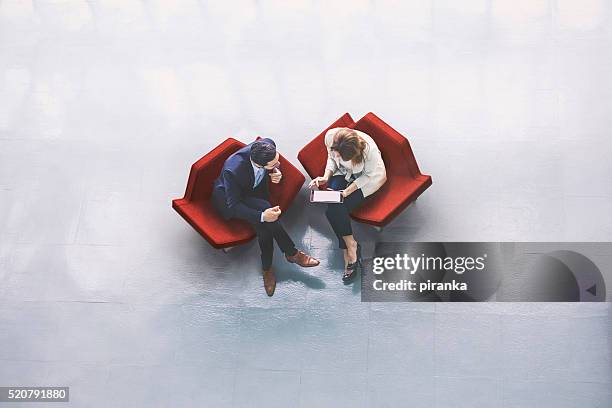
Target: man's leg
<point x="274" y="229"/>
<point x="265" y="238"/>
<point x="266" y="245"/>
<point x="281" y="237"/>
<point x="265" y="234"/>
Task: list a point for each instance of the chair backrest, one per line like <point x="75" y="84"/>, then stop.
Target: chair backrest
<point x="204" y="172"/>
<point x="278" y="191"/>
<point x="313" y="156"/>
<point x="395" y="148"/>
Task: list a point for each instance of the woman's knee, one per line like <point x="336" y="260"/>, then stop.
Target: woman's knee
<point x="354" y="200"/>
<point x="337" y="212"/>
<point x="333" y="210"/>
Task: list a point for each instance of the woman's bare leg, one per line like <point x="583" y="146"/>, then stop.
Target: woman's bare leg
<point x="351" y="251"/>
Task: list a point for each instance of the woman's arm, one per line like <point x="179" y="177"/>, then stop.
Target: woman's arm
<point x="317" y="181"/>
<point x="374" y="174"/>
<point x="330" y="166"/>
<point x="351" y="188"/>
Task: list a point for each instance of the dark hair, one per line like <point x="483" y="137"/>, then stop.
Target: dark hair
<point x="262" y="153"/>
<point x="349" y="145"/>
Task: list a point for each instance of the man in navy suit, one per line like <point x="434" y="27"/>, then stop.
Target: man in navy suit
<point x="241" y="191"/>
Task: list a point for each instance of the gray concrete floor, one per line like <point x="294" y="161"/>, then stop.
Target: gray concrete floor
<point x="104" y="104"/>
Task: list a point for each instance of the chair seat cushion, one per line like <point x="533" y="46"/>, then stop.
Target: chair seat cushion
<point x="211" y="225"/>
<point x="391" y="199"/>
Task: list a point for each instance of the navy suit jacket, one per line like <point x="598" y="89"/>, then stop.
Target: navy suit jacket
<point x="236" y="182"/>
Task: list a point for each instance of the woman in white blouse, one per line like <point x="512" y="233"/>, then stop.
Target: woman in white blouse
<point x="355" y="167"/>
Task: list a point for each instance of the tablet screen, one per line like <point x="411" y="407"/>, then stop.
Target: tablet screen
<point x="326" y="196"/>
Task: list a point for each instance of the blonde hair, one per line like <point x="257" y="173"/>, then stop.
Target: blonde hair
<point x="349" y="145"/>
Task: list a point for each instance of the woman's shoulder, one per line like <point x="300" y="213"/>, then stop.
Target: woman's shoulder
<point x="371" y="143"/>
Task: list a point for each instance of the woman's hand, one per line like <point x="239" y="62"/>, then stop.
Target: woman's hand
<point x="349" y="190"/>
<point x="318" y="181"/>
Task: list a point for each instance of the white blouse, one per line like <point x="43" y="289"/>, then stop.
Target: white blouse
<point x="369" y="175"/>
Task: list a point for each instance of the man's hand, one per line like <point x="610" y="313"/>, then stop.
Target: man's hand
<point x="271" y="214"/>
<point x="276" y="176"/>
<point x="317" y="182"/>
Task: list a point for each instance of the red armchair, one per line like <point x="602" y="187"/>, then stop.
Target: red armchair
<point x="405" y="183"/>
<point x="196" y="207"/>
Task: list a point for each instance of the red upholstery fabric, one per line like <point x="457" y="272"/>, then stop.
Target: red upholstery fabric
<point x="196" y="208"/>
<point x="405" y="183"/>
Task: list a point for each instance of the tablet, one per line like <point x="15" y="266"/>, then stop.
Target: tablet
<point x="326" y="196"/>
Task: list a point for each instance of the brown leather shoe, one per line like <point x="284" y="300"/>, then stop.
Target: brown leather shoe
<point x="302" y="259"/>
<point x="269" y="281"/>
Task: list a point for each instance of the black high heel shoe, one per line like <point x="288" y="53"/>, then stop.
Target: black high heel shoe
<point x="351" y="269"/>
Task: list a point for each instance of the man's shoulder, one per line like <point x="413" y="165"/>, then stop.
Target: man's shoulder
<point x="236" y="163"/>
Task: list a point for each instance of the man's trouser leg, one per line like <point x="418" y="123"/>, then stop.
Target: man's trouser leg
<point x="267" y="232"/>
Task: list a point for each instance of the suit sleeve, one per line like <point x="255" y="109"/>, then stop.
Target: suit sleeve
<point x="233" y="200"/>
